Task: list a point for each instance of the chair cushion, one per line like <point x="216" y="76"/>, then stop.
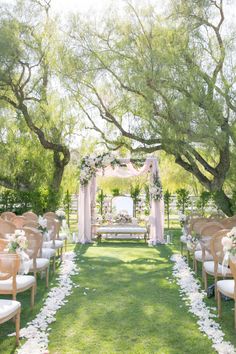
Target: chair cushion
<point x="22" y="282"/>
<point x="226" y="287"/>
<point x="209" y="268"/>
<point x="198" y="256"/>
<point x="62" y="236"/>
<point x="41" y="263"/>
<point x="49" y="244"/>
<point x="7" y="307"/>
<point x="48" y="253"/>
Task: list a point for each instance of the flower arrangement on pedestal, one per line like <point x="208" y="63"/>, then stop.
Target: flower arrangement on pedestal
<point x="155" y="189"/>
<point x="90" y="164"/>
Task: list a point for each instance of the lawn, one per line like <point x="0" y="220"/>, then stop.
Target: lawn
<point x="125" y="304"/>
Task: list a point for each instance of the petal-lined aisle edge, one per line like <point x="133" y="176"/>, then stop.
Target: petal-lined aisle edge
<point x="193" y="296"/>
<point x="37" y="331"/>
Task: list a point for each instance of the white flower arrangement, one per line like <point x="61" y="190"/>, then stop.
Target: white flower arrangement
<point x="182" y="218"/>
<point x="42" y="224"/>
<point x="155" y="189"/>
<point x="89" y="166"/>
<point x="193" y="297"/>
<point x="229" y="242"/>
<point x="60" y="214"/>
<point x="17" y="242"/>
<point x="192" y="241"/>
<point x="123" y="218"/>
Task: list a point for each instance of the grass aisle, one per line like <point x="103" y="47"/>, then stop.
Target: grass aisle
<point x="130" y="306"/>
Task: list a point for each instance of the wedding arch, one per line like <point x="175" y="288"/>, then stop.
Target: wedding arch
<point x="108" y="166"/>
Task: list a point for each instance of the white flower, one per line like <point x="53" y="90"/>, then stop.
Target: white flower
<point x="60" y="213"/>
<point x="42" y="222"/>
<point x="232" y="232"/>
<point x="19" y="233"/>
<point x="227" y="243"/>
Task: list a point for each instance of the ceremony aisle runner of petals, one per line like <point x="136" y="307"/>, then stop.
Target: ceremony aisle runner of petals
<point x="37" y="331"/>
<point x="193" y="296"/>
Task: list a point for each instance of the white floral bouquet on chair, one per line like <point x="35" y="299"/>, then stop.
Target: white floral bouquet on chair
<point x="60" y="214"/>
<point x="182" y="219"/>
<point x="229" y="242"/>
<point x="42" y="224"/>
<point x="123" y="218"/>
<point x="17" y="242"/>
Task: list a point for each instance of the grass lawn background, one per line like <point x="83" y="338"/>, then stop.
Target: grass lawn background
<point x="130" y="307"/>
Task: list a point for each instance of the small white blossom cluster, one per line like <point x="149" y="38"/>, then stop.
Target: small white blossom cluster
<point x="17" y="241"/>
<point x="192" y="242"/>
<point x="229" y="242"/>
<point x="42" y="224"/>
<point x="60" y="214"/>
<point x="182" y="218"/>
<point x="122" y="218"/>
<point x="90" y="164"/>
<point x="156" y="188"/>
<point x="193" y="297"/>
<point x="37" y="331"/>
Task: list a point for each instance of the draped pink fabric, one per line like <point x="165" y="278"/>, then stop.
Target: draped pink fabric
<point x="87" y="202"/>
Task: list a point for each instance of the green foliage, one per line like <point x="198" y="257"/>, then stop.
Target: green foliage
<point x="183" y="199"/>
<point x="66" y="206"/>
<point x="203" y="201"/>
<point x="100" y="200"/>
<point x="135" y="191"/>
<point x="147" y="199"/>
<point x="115" y="192"/>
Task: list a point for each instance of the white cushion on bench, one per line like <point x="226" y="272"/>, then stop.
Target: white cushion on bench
<point x="121" y="230"/>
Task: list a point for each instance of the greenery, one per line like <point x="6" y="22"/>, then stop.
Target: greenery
<point x="183" y="199"/>
<point x="135" y="191"/>
<point x="203" y="201"/>
<point x="115" y="192"/>
<point x="100" y="200"/>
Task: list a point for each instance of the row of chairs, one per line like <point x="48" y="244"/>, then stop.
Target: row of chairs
<point x="40" y="253"/>
<point x="210" y="253"/>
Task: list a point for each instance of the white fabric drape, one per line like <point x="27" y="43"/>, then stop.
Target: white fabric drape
<point x="87" y="202"/>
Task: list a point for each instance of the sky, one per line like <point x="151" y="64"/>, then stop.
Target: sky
<point x="80" y="5"/>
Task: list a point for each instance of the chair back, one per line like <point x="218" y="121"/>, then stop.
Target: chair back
<point x="8" y="215"/>
<point x="211" y="228"/>
<point x="29" y="215"/>
<point x="6" y="227"/>
<point x="216" y="247"/>
<point x="50" y="214"/>
<point x="35" y="242"/>
<point x="53" y="224"/>
<point x="3" y="244"/>
<point x="31" y="223"/>
<point x="9" y="265"/>
<point x="228" y="223"/>
<point x="19" y="221"/>
<point x="198" y="223"/>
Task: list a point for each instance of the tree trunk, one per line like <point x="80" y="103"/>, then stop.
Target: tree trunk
<point x="223" y="202"/>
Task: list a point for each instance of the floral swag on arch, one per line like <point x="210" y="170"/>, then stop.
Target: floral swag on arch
<point x="109" y="166"/>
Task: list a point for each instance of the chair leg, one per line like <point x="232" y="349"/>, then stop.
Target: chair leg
<point x="219" y="304"/>
<point x="216" y="279"/>
<point x="32" y="296"/>
<point x="204" y="273"/>
<point x="66" y="244"/>
<point x="35" y="287"/>
<point x="188" y="256"/>
<point x="17" y="327"/>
